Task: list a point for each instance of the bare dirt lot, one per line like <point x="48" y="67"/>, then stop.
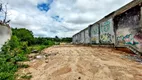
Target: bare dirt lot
<point x="83" y="63"/>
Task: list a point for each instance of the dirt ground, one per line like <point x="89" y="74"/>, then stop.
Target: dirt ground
<point x="68" y="62"/>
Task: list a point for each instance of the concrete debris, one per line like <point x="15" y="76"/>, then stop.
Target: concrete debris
<point x="40" y="57"/>
<point x="34" y="51"/>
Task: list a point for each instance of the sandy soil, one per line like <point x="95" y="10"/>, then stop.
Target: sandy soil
<point x="83" y="63"/>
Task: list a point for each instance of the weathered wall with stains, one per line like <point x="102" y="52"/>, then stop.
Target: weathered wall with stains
<point x="74" y="39"/>
<point x="87" y="37"/>
<point x="5" y="34"/>
<point x="95" y="34"/>
<point x="79" y="38"/>
<point x="82" y="38"/>
<point x="128" y="29"/>
<point x="107" y="32"/>
<point x="122" y="28"/>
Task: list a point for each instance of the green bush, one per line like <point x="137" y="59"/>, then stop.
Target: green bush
<point x="7" y="76"/>
<point x="16" y="49"/>
<point x="20" y="57"/>
<point x="26" y="76"/>
<point x="13" y="51"/>
<point x="24" y="35"/>
<point x="23" y="65"/>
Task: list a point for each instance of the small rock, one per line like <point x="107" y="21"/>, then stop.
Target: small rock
<point x="79" y="77"/>
<point x="46" y="61"/>
<point x="39" y="57"/>
<point x="34" y="51"/>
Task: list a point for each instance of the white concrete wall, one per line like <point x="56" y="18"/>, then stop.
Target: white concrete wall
<point x="87" y="37"/>
<point x="82" y="37"/>
<point x="5" y="34"/>
<point x="107" y="32"/>
<point x="95" y="34"/>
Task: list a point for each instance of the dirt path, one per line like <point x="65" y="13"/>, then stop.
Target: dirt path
<point x="84" y="63"/>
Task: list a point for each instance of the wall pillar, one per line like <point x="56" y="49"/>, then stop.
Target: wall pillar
<point x="5" y="34"/>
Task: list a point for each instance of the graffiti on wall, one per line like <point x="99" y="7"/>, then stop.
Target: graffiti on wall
<point x="94" y="40"/>
<point x="129" y="31"/>
<point x="106" y="32"/>
<point x="130" y="36"/>
<point x="138" y="38"/>
<point x="105" y="27"/>
<point x="106" y="38"/>
<point x="95" y="34"/>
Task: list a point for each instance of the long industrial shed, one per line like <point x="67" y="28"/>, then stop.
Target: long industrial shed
<point x="121" y="28"/>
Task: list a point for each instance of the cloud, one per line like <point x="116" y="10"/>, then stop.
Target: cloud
<point x="57" y="18"/>
<point x="81" y="18"/>
<point x="63" y="18"/>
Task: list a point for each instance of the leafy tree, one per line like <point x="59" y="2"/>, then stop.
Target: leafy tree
<point x="57" y="39"/>
<point x="17" y="48"/>
<point x="67" y="39"/>
<point x="24" y="35"/>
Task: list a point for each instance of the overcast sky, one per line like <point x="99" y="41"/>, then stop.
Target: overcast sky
<point x="63" y="18"/>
